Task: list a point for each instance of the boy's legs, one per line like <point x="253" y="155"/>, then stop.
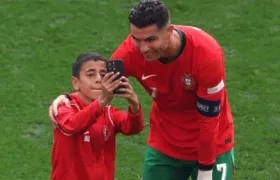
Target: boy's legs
<point x="223" y="168"/>
<point x="160" y="166"/>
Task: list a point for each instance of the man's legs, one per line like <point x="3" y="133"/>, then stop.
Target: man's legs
<point x="223" y="168"/>
<point x="160" y="166"/>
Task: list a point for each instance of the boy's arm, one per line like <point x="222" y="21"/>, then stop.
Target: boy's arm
<point x="71" y="120"/>
<point x="128" y="123"/>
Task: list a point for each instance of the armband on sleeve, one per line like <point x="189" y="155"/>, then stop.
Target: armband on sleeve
<point x="208" y="108"/>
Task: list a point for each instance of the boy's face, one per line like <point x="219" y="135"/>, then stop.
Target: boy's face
<point x="89" y="82"/>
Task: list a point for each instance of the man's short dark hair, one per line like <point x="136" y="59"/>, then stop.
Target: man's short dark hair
<point x="149" y="12"/>
<point x="82" y="59"/>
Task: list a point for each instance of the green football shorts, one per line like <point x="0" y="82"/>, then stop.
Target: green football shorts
<point x="160" y="166"/>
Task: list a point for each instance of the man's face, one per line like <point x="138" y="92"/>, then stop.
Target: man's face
<point x="150" y="41"/>
<point x="89" y="81"/>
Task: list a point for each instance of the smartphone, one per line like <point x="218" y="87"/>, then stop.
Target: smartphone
<point x="116" y="66"/>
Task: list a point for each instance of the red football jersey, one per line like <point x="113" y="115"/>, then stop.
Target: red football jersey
<point x="85" y="142"/>
<point x="190" y="116"/>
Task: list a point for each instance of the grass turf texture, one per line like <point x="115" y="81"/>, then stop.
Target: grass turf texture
<point x="40" y="39"/>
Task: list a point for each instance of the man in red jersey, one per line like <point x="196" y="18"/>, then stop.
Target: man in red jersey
<point x="85" y="140"/>
<point x="182" y="68"/>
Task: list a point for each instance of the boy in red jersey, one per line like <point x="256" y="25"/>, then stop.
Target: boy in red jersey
<point x="182" y="68"/>
<point x="84" y="142"/>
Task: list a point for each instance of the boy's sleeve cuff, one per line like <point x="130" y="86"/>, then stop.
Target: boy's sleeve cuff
<point x="136" y="113"/>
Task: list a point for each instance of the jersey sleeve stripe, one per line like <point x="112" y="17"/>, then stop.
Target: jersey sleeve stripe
<point x="217" y="88"/>
<point x="110" y="117"/>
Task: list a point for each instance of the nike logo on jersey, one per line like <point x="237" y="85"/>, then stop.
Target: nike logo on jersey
<point x="147" y="77"/>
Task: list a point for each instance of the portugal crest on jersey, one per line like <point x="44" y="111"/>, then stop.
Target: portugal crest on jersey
<point x="188" y="82"/>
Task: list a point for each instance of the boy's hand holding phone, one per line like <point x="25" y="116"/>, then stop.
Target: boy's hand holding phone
<point x="124" y="90"/>
<point x="109" y="84"/>
<point x="127" y="92"/>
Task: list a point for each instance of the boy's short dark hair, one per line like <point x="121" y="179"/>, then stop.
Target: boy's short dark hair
<point x="149" y="12"/>
<point x="82" y="59"/>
